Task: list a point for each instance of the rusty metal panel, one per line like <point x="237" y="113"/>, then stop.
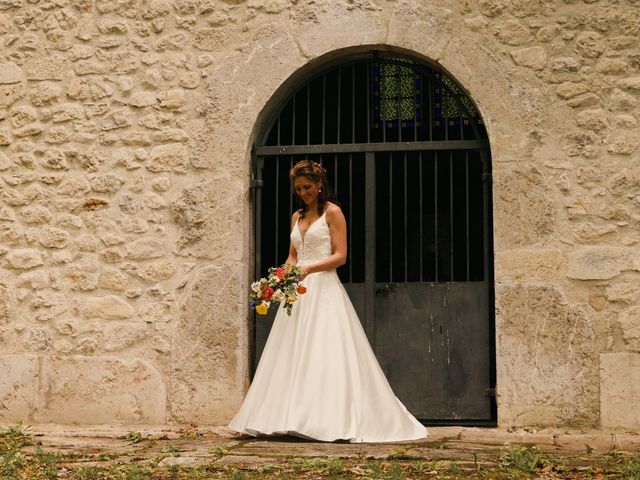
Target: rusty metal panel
<point x="431" y="340"/>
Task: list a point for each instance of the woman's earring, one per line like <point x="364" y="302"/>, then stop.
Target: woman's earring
<point x="319" y="190"/>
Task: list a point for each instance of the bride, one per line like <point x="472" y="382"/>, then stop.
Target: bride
<point x="318" y="377"/>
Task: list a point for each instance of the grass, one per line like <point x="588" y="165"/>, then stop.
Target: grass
<point x="21" y="458"/>
<point x="523" y="459"/>
<point x="135" y="437"/>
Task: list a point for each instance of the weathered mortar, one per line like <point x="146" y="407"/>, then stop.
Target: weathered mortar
<point x="125" y="131"/>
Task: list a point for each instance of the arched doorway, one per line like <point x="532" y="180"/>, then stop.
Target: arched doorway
<point x="410" y="161"/>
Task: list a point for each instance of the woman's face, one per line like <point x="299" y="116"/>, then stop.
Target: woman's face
<point x="306" y="189"/>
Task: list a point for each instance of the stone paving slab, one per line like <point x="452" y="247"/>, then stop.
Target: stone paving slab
<point x="191" y="445"/>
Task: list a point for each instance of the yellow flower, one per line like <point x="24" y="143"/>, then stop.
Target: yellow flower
<point x="262" y="309"/>
<point x="292" y="299"/>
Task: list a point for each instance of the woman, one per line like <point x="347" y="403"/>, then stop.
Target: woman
<point x="318" y="377"/>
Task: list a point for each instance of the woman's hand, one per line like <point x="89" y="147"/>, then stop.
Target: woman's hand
<point x="303" y="275"/>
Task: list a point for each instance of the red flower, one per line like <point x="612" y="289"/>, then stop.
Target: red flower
<point x="267" y="293"/>
<point x="301" y="289"/>
<point x="280" y="273"/>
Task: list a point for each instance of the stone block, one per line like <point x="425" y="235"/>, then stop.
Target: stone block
<point x="52" y="237"/>
<point x="630" y="83"/>
<point x="206" y="378"/>
<point x="169" y="158"/>
<point x="108" y="183"/>
<point x="20" y="395"/>
<point x="23" y="115"/>
<point x="415" y="25"/>
<point x="512" y="32"/>
<point x="595" y="119"/>
<point x="6" y="300"/>
<point x="49" y="67"/>
<point x="611" y="66"/>
<point x="206" y="211"/>
<point x="144" y="248"/>
<point x="155" y="272"/>
<point x="102" y="390"/>
<point x="564" y="64"/>
<point x="620" y="390"/>
<point x="530" y="265"/>
<point x="546" y="359"/>
<point x="595" y="263"/>
<point x="590" y="44"/>
<point x="24" y="258"/>
<point x="173" y="99"/>
<point x="10" y="73"/>
<point x="532" y="57"/>
<point x="74" y="185"/>
<point x="112" y="279"/>
<point x="626" y="292"/>
<point x="83" y="278"/>
<point x="10" y="94"/>
<point x="142" y="99"/>
<point x="34" y="279"/>
<point x="209" y="39"/>
<point x="629" y="320"/>
<point x="568" y="90"/>
<point x="8" y="4"/>
<point x="623" y="143"/>
<point x="109" y="307"/>
<point x="522" y="218"/>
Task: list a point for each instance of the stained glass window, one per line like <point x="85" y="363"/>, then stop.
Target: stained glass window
<point x="397" y="98"/>
<point x="451" y="104"/>
<point x="397" y="95"/>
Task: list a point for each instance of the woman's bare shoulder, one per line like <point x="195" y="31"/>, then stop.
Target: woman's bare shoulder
<point x="333" y="211"/>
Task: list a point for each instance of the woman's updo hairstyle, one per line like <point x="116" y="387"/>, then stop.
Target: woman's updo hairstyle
<point x="317" y="174"/>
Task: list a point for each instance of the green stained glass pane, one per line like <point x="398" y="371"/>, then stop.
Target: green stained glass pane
<point x="396" y="93"/>
<point x="463" y="108"/>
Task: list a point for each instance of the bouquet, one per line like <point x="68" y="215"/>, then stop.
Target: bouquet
<point x="282" y="284"/>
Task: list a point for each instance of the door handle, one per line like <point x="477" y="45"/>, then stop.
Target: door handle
<point x="385" y="289"/>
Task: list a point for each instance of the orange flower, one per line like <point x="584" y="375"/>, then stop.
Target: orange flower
<point x="301" y="289"/>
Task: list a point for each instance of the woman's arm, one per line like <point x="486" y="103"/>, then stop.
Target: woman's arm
<point x="292" y="259"/>
<point x="338" y="228"/>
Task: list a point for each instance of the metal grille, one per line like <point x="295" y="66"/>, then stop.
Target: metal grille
<point x="429" y="216"/>
<point x="346" y="170"/>
<point x="429" y="169"/>
<point x="355" y="104"/>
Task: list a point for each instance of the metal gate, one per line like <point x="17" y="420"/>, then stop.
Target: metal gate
<point x="409" y="159"/>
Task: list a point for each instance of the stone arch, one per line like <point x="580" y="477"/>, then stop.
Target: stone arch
<point x="242" y="99"/>
<point x="347" y="54"/>
<point x="298" y="80"/>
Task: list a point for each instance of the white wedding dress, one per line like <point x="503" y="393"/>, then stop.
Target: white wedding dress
<point x="318" y="377"/>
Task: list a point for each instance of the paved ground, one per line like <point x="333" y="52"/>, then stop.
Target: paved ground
<point x="220" y="445"/>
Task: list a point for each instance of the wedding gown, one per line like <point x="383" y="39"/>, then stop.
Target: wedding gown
<point x="318" y="377"/>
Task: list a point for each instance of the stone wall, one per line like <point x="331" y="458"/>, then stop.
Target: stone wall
<point x="125" y="136"/>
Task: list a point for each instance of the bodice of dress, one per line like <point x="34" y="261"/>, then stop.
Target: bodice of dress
<point x="316" y="244"/>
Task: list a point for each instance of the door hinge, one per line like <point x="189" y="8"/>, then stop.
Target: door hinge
<point x="486" y="177"/>
<point x="489" y="392"/>
<point x="255" y="183"/>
